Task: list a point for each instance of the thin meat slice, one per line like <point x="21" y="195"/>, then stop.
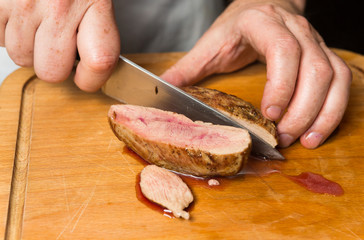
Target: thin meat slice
<point x="175" y="142"/>
<point x="166" y="189"/>
<point x="241" y="111"/>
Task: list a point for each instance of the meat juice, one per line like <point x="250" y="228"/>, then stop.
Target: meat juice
<point x="256" y="167"/>
<point x="316" y="183"/>
<point x="310" y="181"/>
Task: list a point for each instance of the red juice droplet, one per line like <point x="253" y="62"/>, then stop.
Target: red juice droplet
<point x="316" y="183"/>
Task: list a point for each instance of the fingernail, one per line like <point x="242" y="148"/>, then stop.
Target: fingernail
<point x="285" y="140"/>
<point x="314" y="139"/>
<point x="274" y="112"/>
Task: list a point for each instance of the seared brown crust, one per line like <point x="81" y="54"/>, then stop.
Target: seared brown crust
<point x="235" y="108"/>
<point x="185" y="160"/>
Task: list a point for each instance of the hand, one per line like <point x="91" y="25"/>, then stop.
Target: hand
<point x="304" y="76"/>
<point x="46" y="34"/>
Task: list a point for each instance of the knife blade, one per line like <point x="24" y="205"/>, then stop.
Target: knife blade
<point x="135" y="85"/>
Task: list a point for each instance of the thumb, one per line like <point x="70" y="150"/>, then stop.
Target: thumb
<point x="197" y="63"/>
<point x="188" y="70"/>
<point x="217" y="51"/>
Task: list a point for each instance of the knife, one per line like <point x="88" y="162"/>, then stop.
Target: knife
<point x="135" y="85"/>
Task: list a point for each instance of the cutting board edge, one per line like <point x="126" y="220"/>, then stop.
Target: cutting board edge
<point x="20" y="81"/>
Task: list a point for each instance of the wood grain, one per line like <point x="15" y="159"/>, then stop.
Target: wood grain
<point x="81" y="180"/>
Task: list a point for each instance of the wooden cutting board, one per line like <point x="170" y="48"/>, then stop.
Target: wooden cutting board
<point x="69" y="177"/>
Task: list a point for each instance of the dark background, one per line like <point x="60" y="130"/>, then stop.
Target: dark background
<point x="340" y="23"/>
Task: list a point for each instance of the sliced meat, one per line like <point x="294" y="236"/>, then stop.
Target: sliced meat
<point x="166" y="189"/>
<point x="241" y="111"/>
<point x="175" y="142"/>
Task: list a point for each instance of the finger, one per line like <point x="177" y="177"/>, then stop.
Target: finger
<point x="219" y="50"/>
<point x="54" y="49"/>
<point x="334" y="106"/>
<point x="20" y="34"/>
<point x="98" y="45"/>
<point x="314" y="79"/>
<point x="4" y="16"/>
<point x="282" y="60"/>
<point x="282" y="55"/>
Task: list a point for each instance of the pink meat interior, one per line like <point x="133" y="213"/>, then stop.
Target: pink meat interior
<point x="176" y="129"/>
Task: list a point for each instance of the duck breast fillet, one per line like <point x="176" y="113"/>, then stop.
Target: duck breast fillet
<point x="175" y="142"/>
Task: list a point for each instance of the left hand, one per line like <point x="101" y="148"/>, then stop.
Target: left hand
<point x="304" y="76"/>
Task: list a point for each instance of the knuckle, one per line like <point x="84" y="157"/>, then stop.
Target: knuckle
<point x="246" y="16"/>
<point x="289" y="43"/>
<point x="60" y="7"/>
<point x="285" y="45"/>
<point x="101" y="63"/>
<point x="303" y="23"/>
<point x="322" y="69"/>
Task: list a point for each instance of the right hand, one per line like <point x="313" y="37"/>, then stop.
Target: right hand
<point x="47" y="34"/>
